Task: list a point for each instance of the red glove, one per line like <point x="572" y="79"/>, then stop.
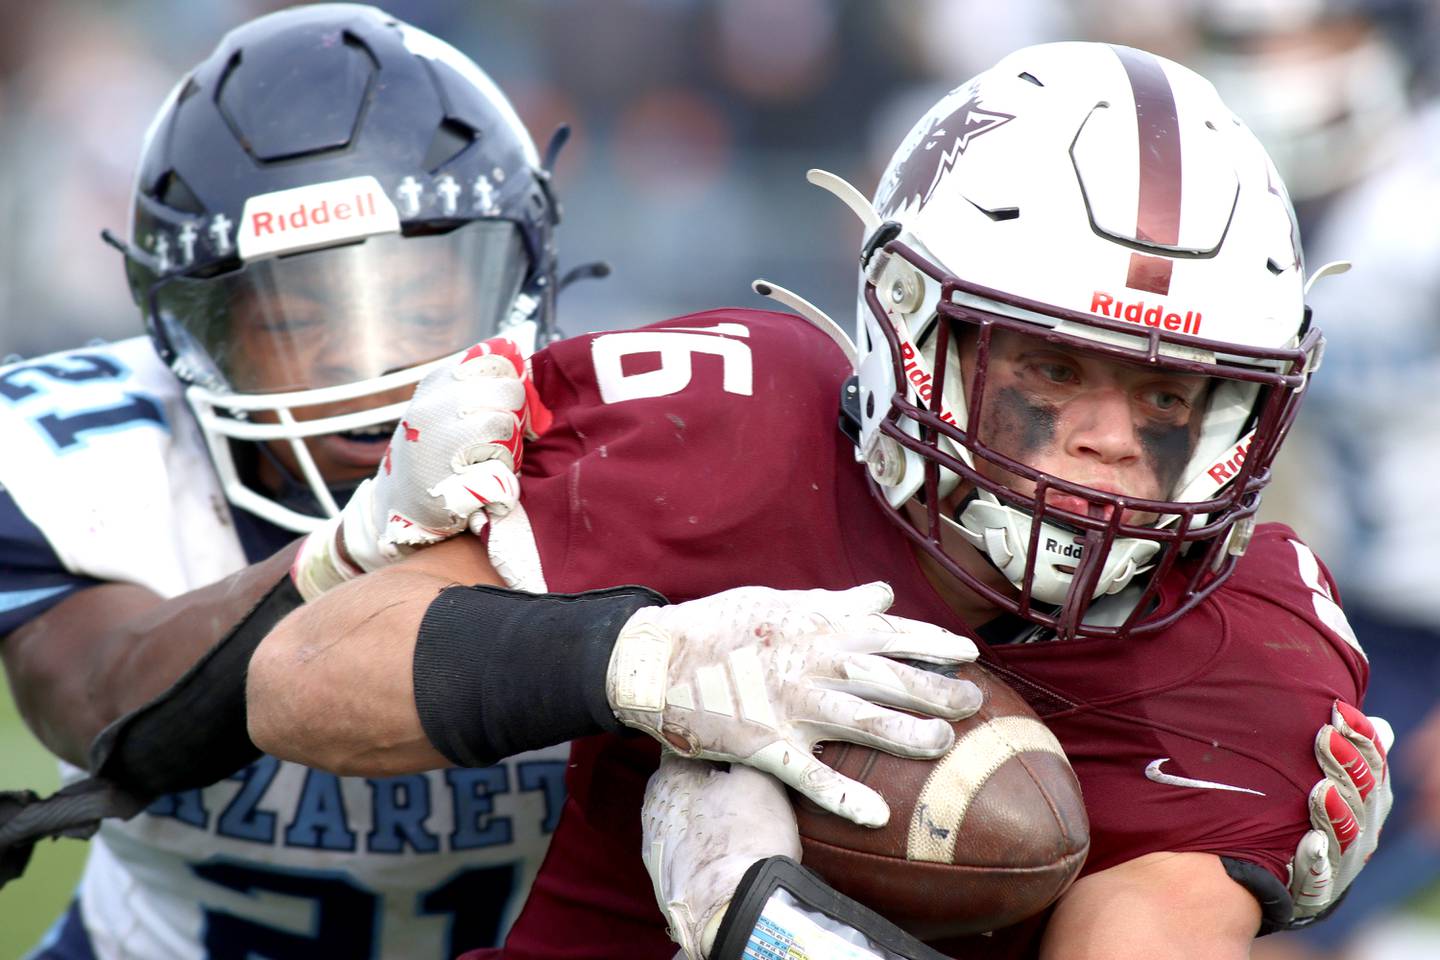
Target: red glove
<point x="1347" y="809"/>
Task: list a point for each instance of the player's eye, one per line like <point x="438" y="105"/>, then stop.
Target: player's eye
<point x="302" y="328"/>
<point x="1165" y="400"/>
<point x="1050" y="372"/>
<point x="1057" y="373"/>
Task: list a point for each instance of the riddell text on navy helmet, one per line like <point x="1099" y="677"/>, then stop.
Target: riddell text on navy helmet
<point x="301" y="217"/>
<point x="1108" y="305"/>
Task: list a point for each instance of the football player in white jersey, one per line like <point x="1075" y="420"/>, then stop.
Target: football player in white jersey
<point x="329" y="210"/>
<point x="392" y="157"/>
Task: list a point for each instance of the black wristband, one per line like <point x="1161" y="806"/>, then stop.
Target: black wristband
<point x="1277" y="909"/>
<point x="498" y="672"/>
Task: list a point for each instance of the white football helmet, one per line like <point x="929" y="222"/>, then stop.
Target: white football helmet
<point x="1105" y="200"/>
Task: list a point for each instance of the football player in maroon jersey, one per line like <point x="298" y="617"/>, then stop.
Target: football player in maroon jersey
<point x="304" y="255"/>
<point x="1082" y="339"/>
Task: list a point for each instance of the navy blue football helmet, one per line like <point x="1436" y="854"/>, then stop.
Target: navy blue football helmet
<point x="329" y="205"/>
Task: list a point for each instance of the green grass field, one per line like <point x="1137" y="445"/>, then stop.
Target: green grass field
<point x="29" y="905"/>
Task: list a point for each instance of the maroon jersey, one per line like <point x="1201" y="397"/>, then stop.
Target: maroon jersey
<point x="703" y="453"/>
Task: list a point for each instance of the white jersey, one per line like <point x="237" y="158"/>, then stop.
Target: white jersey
<point x="103" y="456"/>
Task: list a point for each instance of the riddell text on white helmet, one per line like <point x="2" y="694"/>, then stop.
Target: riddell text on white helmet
<point x="922" y="381"/>
<point x="1108" y="305"/>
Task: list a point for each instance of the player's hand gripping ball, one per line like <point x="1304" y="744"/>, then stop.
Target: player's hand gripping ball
<point x="985" y="836"/>
<point x="759" y="676"/>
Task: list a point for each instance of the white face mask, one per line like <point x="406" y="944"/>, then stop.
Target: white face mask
<point x="265" y="346"/>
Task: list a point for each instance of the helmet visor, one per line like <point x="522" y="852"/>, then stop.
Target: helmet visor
<point x="343" y="314"/>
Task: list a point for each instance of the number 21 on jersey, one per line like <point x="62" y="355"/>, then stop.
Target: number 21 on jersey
<point x="77" y="395"/>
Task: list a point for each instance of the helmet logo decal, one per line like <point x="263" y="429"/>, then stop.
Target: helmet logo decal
<point x="484" y="194"/>
<point x="1108" y="305"/>
<point x="1158" y="129"/>
<point x="940" y="146"/>
<point x="161" y="246"/>
<point x="219" y="231"/>
<point x="316" y="215"/>
<point x="449" y="191"/>
<point x="187" y="237"/>
<point x="410" y="191"/>
<point x="1273" y="185"/>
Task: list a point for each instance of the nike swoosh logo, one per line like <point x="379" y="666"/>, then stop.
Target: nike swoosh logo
<point x="1152" y="772"/>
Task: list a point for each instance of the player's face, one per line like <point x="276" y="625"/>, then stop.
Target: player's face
<point x="1117" y="427"/>
<point x="306" y="337"/>
<point x="1094" y="421"/>
<point x="315" y="336"/>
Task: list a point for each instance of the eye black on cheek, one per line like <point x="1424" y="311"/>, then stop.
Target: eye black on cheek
<point x="1015" y="417"/>
<point x="1168" y="448"/>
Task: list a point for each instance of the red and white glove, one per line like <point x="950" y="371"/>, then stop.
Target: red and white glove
<point x="703" y="826"/>
<point x="451" y="464"/>
<point x="1347" y="809"/>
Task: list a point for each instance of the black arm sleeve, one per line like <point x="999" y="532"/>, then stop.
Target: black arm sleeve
<point x="498" y="672"/>
<point x="192" y="735"/>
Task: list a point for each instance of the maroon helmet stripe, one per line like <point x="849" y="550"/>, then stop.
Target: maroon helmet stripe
<point x="1158" y="219"/>
<point x="1149" y="273"/>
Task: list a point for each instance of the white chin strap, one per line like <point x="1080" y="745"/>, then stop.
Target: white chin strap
<point x="1002" y="533"/>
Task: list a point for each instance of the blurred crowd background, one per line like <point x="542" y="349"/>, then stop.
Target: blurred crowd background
<point x="694" y="123"/>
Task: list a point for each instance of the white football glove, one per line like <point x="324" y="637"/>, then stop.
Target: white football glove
<point x="1347" y="809"/>
<point x="703" y="827"/>
<point x="759" y="676"/>
<point x="451" y="464"/>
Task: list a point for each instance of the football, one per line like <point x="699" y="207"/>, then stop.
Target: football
<point x="983" y="837"/>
